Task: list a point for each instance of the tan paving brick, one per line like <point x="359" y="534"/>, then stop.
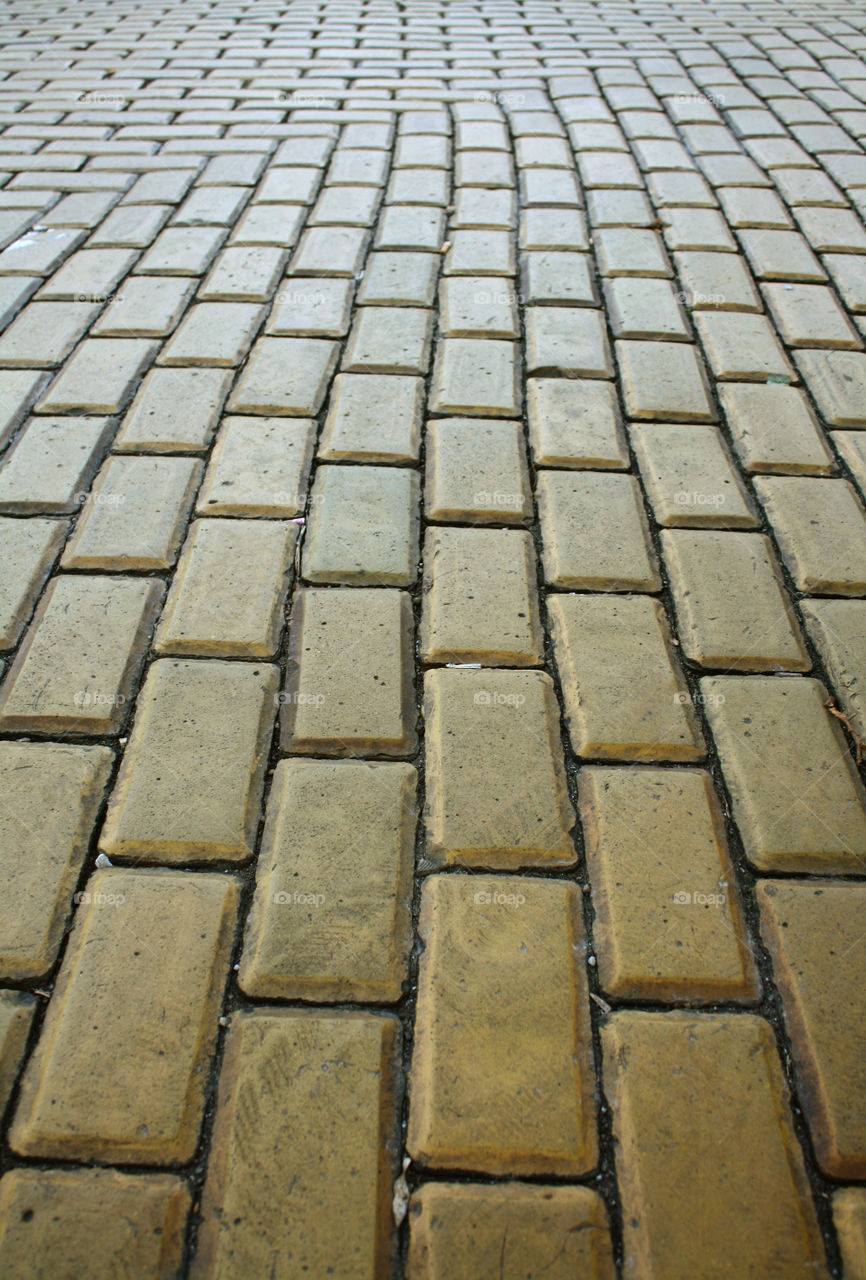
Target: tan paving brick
<point x="689" y="228"/>
<point x="259" y="467"/>
<point x="52" y="462"/>
<point x="181" y="251"/>
<point x="742" y="346"/>
<point x="476" y="472"/>
<point x="630" y="251"/>
<point x="480" y="598"/>
<point x="849" y="1216"/>
<point x="463" y="1232"/>
<point x="349" y="688"/>
<point x="67" y="1222"/>
<point x="363" y="526"/>
<point x="780" y="255"/>
<point x="316" y="308"/>
<point x="31" y="548"/>
<point x="285" y="376"/>
<point x="644" y="308"/>
<point x="594" y="532"/>
<point x="16" y="1014"/>
<point x="134" y="515"/>
<point x="99" y="377"/>
<point x="837" y="380"/>
<point x="53" y="792"/>
<point x="567" y="340"/>
<point x="267" y="224"/>
<point x="849" y="276"/>
<point x="187" y="791"/>
<point x="821" y="531"/>
<point x="400" y="279"/>
<point x="330" y="251"/>
<point x="664" y="381"/>
<point x="419" y="227"/>
<point x="476" y="377"/>
<point x="715" y="281"/>
<point x="496" y="789"/>
<point x="213" y="333"/>
<point x="807" y="315"/>
<point x="731" y="604"/>
<point x="146" y="307"/>
<point x="228" y="595"/>
<point x="838" y="631"/>
<point x="851" y="448"/>
<point x="121" y="996"/>
<point x="90" y="275"/>
<point x="246" y="273"/>
<point x="797" y="799"/>
<point x="373" y="419"/>
<point x="174" y="411"/>
<point x="668" y="920"/>
<point x="472" y="307"/>
<point x="492" y="1092"/>
<point x="76" y="668"/>
<point x="326" y="1139"/>
<point x="44" y="333"/>
<point x="389" y="340"/>
<point x="774" y="429"/>
<point x="552" y="228"/>
<point x="18" y="390"/>
<point x="553" y="276"/>
<point x="745" y="1208"/>
<point x="689" y="478"/>
<point x="330" y="919"/>
<point x="575" y="423"/>
<point x="345" y="206"/>
<point x="625" y="696"/>
<point x="814" y="932"/>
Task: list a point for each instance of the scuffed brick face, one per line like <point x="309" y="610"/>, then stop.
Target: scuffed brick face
<point x="432" y="640"/>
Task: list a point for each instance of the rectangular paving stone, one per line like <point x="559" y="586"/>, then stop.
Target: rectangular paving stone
<point x="77" y="665"/>
<point x="491" y="1093"/>
<point x="122" y="995"/>
<point x="135" y="514"/>
<point x="18" y="390"/>
<point x="389" y="340"/>
<point x="330" y="251"/>
<point x="780" y="255"/>
<point x="325" y="1138"/>
<point x="145" y="307"/>
<point x="553" y="228"/>
<point x="476" y="472"/>
<point x="188" y="790"/>
<point x="553" y="276"/>
<point x="837" y="380"/>
<point x="228" y="596"/>
<point x="594" y="532"/>
<point x="814" y="933"/>
<point x="797" y="799"/>
<point x="459" y="1231"/>
<point x="313" y="307"/>
<point x="475" y="307"/>
<point x="668" y="917"/>
<point x="99" y="376"/>
<point x="182" y="251"/>
<point x="496" y="788"/>
<point x="88" y="276"/>
<point x="745" y="1207"/>
<point x="213" y="333"/>
<point x="268" y="224"/>
<point x="259" y="467"/>
<point x="630" y="251"/>
<point x="732" y="607"/>
<point x="689" y="478"/>
<point x="715" y="282"/>
<point x="419" y="227"/>
<point x="244" y="273"/>
<point x="345" y="206"/>
<point x="285" y="376"/>
<point x="838" y="631"/>
<point x="575" y="422"/>
<point x="774" y="429"/>
<point x="53" y="793"/>
<point x="399" y="280"/>
<point x="473" y="376"/>
<point x="808" y="315"/>
<point x="567" y="340"/>
<point x="44" y="333"/>
<point x="373" y="419"/>
<point x="16" y="1014"/>
<point x="80" y="1221"/>
<point x="644" y="308"/>
<point x="331" y="914"/>
<point x="39" y="252"/>
<point x="480" y="598"/>
<point x="349" y="687"/>
<point x="664" y="381"/>
<point x="821" y="531"/>
<point x="51" y="463"/>
<point x="742" y="346"/>
<point x="174" y="411"/>
<point x="625" y="695"/>
<point x="31" y="548"/>
<point x="363" y="526"/>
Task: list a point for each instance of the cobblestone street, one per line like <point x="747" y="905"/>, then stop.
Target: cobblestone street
<point x="432" y="640"/>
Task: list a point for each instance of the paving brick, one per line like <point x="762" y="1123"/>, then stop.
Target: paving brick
<point x="326" y="1139"/>
<point x="567" y="340"/>
<point x="664" y="381"/>
<point x="496" y="790"/>
<point x="774" y="429"/>
<point x="625" y="696"/>
<point x="421" y="187"/>
<point x="18" y="390"/>
<point x="349" y="689"/>
<point x="579" y="512"/>
<point x="418" y="227"/>
<point x="182" y="251"/>
<point x="268" y="224"/>
<point x="489" y="1092"/>
<point x="575" y="422"/>
<point x="31" y="548"/>
<point x="213" y="333"/>
<point x="644" y="308"/>
<point x="363" y="527"/>
<point x="821" y="531"/>
<point x="90" y="275"/>
<point x="742" y="346"/>
<point x="796" y="796"/>
<point x="476" y="377"/>
<point x="373" y="419"/>
<point x="480" y="598"/>
<point x="246" y="273"/>
<point x="316" y="308"/>
<point x="689" y="478"/>
<point x="66" y="1222"/>
<point x="54" y="791"/>
<point x="174" y="411"/>
<point x="837" y="380"/>
<point x="460" y="1231"/>
<point x="745" y="1207"/>
<point x="16" y="1014"/>
<point x="848" y="273"/>
<point x="553" y="228"/>
<point x="400" y="279"/>
<point x="813" y="932"/>
<point x="228" y="595"/>
<point x="148" y="1108"/>
<point x="44" y="334"/>
<point x="838" y="631"/>
<point x="99" y="376"/>
<point x="475" y="307"/>
<point x="134" y="515"/>
<point x="146" y="307"/>
<point x="130" y="226"/>
<point x="628" y="251"/>
<point x="668" y="920"/>
<point x="285" y="376"/>
<point x="849" y="1216"/>
<point x="832" y="229"/>
<point x="807" y="315"/>
<point x="389" y="340"/>
<point x="77" y="665"/>
<point x="553" y="276"/>
<point x="187" y="791"/>
<point x="345" y="206"/>
<point x="330" y="251"/>
<point x="747" y="207"/>
<point x="40" y="252"/>
<point x="780" y="255"/>
<point x="259" y="467"/>
<point x="331" y="918"/>
<point x="476" y="472"/>
<point x="51" y="463"/>
<point x="214" y="206"/>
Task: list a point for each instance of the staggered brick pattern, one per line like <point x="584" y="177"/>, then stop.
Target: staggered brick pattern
<point x="433" y="639"/>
